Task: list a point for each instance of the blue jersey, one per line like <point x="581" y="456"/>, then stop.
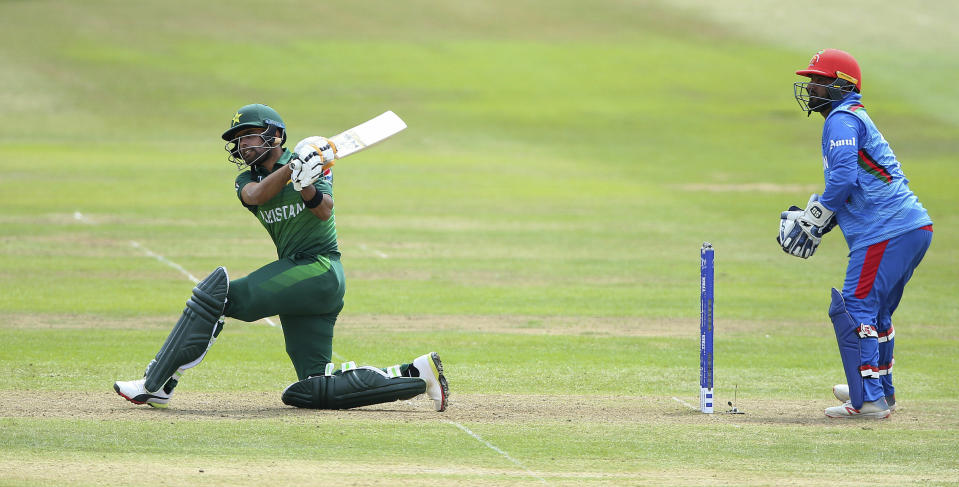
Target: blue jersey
<point x="865" y="185"/>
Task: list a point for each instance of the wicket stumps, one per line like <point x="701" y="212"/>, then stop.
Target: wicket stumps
<point x="706" y="328"/>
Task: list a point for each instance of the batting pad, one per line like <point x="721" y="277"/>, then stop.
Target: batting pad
<point x="353" y="388"/>
<point x="193" y="333"/>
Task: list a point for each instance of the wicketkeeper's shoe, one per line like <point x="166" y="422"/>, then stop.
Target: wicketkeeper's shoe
<point x="135" y="392"/>
<point x="841" y="391"/>
<point x="871" y="410"/>
<point x="431" y="371"/>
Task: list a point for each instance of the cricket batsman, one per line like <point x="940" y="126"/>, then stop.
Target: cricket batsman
<point x="304" y="286"/>
<point x="886" y="228"/>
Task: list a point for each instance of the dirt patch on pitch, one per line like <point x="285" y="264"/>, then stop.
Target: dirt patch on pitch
<point x="463" y="408"/>
<point x="465" y="412"/>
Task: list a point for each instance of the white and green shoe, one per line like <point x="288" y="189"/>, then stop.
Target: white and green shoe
<point x="431" y="371"/>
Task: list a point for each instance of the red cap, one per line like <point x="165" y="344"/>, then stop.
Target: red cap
<point x="834" y="63"/>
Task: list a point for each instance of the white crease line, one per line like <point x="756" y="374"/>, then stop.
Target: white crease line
<point x="497" y="450"/>
<point x="178" y="267"/>
<point x="165" y="261"/>
<point x="684" y="403"/>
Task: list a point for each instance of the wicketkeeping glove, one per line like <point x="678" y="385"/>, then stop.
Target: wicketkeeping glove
<point x="801" y="231"/>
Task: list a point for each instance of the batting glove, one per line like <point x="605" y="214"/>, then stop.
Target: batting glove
<point x="316" y="145"/>
<point x="314" y="157"/>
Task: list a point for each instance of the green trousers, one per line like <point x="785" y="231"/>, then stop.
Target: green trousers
<point x="306" y="292"/>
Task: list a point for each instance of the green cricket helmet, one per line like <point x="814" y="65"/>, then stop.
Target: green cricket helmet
<point x="254" y="116"/>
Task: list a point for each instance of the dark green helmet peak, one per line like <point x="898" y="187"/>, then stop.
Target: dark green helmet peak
<point x="255" y="115"/>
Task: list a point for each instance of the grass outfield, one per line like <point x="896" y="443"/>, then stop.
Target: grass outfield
<point x="538" y="224"/>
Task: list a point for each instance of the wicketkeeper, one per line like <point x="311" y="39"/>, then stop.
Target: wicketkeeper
<point x="888" y="231"/>
<point x="304" y="286"/>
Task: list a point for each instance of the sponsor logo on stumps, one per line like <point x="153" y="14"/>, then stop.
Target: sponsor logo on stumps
<point x="706" y="329"/>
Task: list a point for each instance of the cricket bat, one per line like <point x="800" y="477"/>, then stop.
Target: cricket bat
<point x="364" y="135"/>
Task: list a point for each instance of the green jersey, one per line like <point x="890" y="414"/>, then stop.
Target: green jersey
<point x="291" y="225"/>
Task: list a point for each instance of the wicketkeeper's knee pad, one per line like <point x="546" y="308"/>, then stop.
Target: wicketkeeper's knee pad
<point x="194" y="333"/>
<point x="353" y="388"/>
<point x="859" y="350"/>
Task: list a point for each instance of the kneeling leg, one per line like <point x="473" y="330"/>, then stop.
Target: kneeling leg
<point x="353" y="388"/>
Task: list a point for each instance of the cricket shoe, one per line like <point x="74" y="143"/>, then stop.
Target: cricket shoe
<point x="872" y="410"/>
<point x="135" y="392"/>
<point x="431" y="371"/>
<point x="841" y="391"/>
